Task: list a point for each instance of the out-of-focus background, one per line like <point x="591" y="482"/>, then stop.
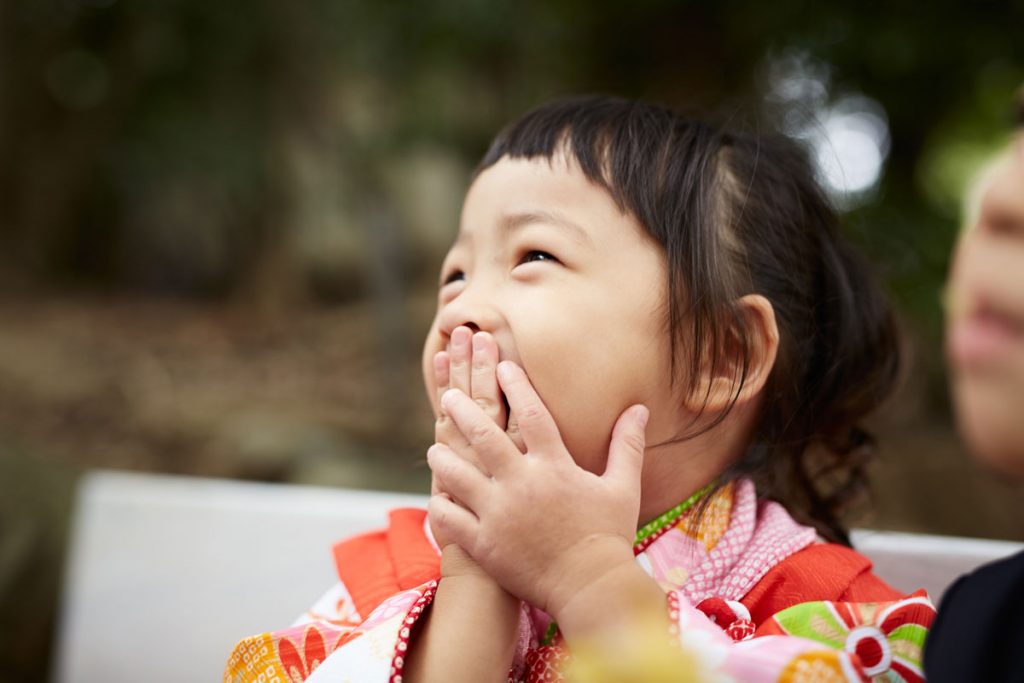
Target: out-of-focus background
<point x="221" y="222"/>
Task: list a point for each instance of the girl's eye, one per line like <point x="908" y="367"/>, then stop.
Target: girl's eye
<point x="453" y="276"/>
<point x="537" y="255"/>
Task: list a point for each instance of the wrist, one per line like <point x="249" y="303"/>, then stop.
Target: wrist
<point x="461" y="574"/>
<point x="472" y="610"/>
<point x="456" y="562"/>
<point x="616" y="590"/>
<point x="476" y="593"/>
<point x="584" y="563"/>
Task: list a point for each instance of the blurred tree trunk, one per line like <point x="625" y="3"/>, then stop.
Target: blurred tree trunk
<point x="273" y="278"/>
<point x="8" y="89"/>
<point x="385" y="242"/>
<point x="50" y="153"/>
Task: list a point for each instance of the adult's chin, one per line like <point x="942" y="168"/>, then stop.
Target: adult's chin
<point x="989" y="416"/>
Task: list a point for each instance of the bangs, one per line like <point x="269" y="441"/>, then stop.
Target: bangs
<point x="637" y="152"/>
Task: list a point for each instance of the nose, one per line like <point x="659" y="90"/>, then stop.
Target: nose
<point x="471" y="308"/>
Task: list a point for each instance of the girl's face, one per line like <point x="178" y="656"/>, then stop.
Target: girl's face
<point x="572" y="289"/>
<point x="986" y="322"/>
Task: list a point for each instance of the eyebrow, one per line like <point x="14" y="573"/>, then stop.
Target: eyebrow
<point x="514" y="221"/>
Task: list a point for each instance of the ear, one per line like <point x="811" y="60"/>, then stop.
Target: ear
<point x="752" y="338"/>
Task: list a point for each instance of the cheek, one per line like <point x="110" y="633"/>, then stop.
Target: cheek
<point x="585" y="401"/>
<point x="588" y="381"/>
<point x="431" y="346"/>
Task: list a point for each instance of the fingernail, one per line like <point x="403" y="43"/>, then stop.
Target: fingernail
<point x="448" y="397"/>
<point x="478" y="342"/>
<point x="460" y="336"/>
<point x="643" y="414"/>
<point x="505" y="369"/>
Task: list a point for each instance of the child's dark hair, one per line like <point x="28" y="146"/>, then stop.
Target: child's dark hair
<point x="740" y="213"/>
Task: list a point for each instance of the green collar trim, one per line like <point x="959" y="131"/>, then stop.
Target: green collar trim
<point x="669" y="517"/>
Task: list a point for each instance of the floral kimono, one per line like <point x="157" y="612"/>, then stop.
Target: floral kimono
<point x="755" y="595"/>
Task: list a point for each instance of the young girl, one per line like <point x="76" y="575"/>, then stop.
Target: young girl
<point x="641" y="315"/>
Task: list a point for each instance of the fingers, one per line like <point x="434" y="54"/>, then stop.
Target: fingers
<point x="489" y="442"/>
<point x="452" y="521"/>
<point x="445" y="430"/>
<point x="459" y="354"/>
<point x="442" y="364"/>
<point x="457" y="476"/>
<point x="452" y="371"/>
<point x="537" y="427"/>
<point x="483" y="381"/>
<point x="626" y="452"/>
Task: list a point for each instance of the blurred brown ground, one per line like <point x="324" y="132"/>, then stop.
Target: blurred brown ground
<point x="180" y="387"/>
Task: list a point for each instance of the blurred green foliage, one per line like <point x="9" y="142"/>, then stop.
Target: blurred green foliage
<point x="152" y="144"/>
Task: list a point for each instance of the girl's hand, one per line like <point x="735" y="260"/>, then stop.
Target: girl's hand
<point x="543" y="527"/>
<point x="468" y="366"/>
<point x="466" y="596"/>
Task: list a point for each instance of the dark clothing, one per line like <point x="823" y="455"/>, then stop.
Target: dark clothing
<point x="979" y="632"/>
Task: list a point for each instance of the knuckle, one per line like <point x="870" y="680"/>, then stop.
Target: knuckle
<point x="634" y="442"/>
<point x="470" y="456"/>
<point x="447" y="473"/>
<point x="438" y="515"/>
<point x="441" y="518"/>
<point x="516" y="435"/>
<point x="486" y="547"/>
<point x="531" y="412"/>
<point x="487" y="405"/>
<point x="479" y="433"/>
<point x="444" y="430"/>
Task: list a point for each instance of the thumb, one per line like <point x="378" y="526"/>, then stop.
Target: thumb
<point x="626" y="452"/>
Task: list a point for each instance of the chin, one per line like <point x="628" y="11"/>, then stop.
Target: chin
<point x="991" y="426"/>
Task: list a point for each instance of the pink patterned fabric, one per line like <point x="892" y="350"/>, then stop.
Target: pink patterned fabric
<point x="758" y="535"/>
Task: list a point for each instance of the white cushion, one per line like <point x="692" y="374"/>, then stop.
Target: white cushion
<point x="166" y="573"/>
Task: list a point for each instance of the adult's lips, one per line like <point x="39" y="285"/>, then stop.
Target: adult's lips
<point x="983" y="337"/>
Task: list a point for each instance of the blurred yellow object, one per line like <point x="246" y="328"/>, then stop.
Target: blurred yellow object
<point x="643" y="653"/>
